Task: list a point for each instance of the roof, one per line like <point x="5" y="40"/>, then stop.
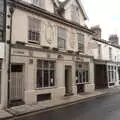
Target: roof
<point x="106" y="42"/>
<point x="80" y="6"/>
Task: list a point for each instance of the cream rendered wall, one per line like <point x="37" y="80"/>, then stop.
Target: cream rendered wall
<point x="20" y="31"/>
<point x="20" y="26"/>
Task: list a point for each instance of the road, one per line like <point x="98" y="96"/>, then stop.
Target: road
<point x="102" y="108"/>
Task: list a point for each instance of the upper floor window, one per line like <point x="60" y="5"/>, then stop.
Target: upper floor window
<point x="62" y="37"/>
<point x="34" y="30"/>
<point x="39" y="3"/>
<point x="80" y="42"/>
<point x="99" y="51"/>
<point x="110" y="53"/>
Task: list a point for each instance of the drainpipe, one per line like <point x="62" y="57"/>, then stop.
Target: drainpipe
<point x="11" y="10"/>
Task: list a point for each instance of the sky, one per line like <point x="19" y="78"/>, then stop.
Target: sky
<point x="105" y="13"/>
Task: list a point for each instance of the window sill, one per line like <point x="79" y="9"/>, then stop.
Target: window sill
<point x="45" y="88"/>
<point x="34" y="42"/>
<point x="82" y="83"/>
<point x="61" y="50"/>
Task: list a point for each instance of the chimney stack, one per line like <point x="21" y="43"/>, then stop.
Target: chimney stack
<point x="113" y="39"/>
<point x="97" y="31"/>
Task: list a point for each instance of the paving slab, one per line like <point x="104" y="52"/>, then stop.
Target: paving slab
<point x="4" y="114"/>
<point x="24" y="109"/>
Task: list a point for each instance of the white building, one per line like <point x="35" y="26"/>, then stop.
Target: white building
<point x="107" y="61"/>
<point x="48" y="54"/>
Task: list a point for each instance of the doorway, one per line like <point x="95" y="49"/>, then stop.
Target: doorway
<point x="16" y="85"/>
<point x="101" y="76"/>
<point x="68" y="80"/>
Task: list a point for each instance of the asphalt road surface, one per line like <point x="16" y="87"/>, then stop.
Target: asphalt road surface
<point x="102" y="108"/>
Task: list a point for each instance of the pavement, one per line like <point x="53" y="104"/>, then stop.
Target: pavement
<point x="106" y="107"/>
<point x="51" y="105"/>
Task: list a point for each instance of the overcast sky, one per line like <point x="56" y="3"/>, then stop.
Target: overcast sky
<point x="106" y="13"/>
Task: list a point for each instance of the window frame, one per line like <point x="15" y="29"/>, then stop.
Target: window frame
<point x="110" y="53"/>
<point x="111" y="71"/>
<point x="36" y="29"/>
<point x="81" y="42"/>
<point x="59" y="38"/>
<point x="83" y="69"/>
<point x="51" y="84"/>
<point x="99" y="51"/>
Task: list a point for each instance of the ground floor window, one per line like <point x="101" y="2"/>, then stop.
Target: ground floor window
<point x="112" y="78"/>
<point x="82" y="73"/>
<point x="45" y="73"/>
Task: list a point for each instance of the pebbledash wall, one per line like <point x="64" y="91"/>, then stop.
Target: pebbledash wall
<point x="27" y="54"/>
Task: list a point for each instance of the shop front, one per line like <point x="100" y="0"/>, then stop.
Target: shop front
<point x="40" y="75"/>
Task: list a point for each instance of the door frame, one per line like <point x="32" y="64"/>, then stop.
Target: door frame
<point x="68" y="81"/>
<point x="23" y="71"/>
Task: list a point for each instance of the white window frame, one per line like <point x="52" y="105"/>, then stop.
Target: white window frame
<point x="99" y="51"/>
<point x="111" y="71"/>
<point x="81" y="36"/>
<point x="110" y="53"/>
<point x="34" y="26"/>
<point x="62" y="38"/>
<point x="83" y="69"/>
<point x="49" y="69"/>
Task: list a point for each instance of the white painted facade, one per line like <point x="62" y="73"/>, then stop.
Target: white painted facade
<point x="105" y="51"/>
<point x="106" y="54"/>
